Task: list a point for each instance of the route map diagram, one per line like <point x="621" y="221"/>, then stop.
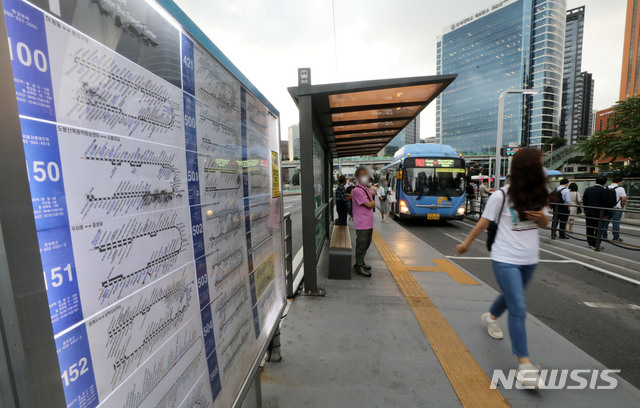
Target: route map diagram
<point x="166" y="377"/>
<point x="117" y="257"/>
<point x="135" y="177"/>
<point x="216" y="86"/>
<point x="98" y="89"/>
<point x="129" y="332"/>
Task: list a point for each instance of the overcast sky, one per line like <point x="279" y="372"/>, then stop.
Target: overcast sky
<point x="269" y="39"/>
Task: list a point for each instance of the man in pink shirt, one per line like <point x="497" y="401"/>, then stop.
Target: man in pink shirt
<point x="363" y="205"/>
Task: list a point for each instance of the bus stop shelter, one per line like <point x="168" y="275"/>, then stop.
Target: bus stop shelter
<point x="342" y="120"/>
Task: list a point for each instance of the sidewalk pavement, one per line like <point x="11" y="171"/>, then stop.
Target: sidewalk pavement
<point x="411" y="336"/>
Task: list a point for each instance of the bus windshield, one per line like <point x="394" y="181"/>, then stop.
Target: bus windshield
<point x="422" y="181"/>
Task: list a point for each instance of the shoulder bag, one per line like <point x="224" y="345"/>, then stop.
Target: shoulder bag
<point x="492" y="231"/>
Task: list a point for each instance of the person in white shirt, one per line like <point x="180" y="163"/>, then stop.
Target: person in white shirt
<point x="484" y="193"/>
<point x="615" y="213"/>
<point x="576" y="200"/>
<point x="561" y="211"/>
<point x="384" y="194"/>
<point x="519" y="209"/>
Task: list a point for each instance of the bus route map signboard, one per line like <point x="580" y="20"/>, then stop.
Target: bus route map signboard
<point x="150" y="171"/>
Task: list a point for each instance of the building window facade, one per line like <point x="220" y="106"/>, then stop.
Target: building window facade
<point x="512" y="44"/>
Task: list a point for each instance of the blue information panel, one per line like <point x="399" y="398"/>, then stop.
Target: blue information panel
<point x="155" y="199"/>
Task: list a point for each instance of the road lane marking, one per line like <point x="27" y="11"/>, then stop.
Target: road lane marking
<point x="469" y="381"/>
<point x="590" y="257"/>
<point x="486" y="258"/>
<point x="590" y="266"/>
<point x="287" y="206"/>
<point x="612" y="305"/>
<point x="585" y="264"/>
<point x="458" y="239"/>
<point x="604" y="254"/>
<point x="297" y="260"/>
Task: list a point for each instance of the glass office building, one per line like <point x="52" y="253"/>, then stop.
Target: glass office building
<point x="511" y="44"/>
<point x="294" y="141"/>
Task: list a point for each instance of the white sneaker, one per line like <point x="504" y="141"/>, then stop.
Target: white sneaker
<point x="492" y="327"/>
<point x="529" y="376"/>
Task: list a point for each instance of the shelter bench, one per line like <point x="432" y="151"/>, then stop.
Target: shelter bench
<point x="340" y="252"/>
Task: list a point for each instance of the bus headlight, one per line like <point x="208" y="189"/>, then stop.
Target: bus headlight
<point x="460" y="211"/>
<point x="403" y="207"/>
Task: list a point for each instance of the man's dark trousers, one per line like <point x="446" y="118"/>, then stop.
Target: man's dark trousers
<point x="560" y="217"/>
<point x="592" y="220"/>
<point x="342" y="210"/>
<point x="363" y="241"/>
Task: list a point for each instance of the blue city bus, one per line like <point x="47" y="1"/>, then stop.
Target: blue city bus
<point x="429" y="182"/>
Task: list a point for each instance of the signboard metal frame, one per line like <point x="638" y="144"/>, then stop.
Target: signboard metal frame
<point x="29" y="367"/>
<point x="26" y="329"/>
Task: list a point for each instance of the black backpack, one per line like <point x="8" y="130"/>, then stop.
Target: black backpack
<point x="555" y="197"/>
<point x="612" y="197"/>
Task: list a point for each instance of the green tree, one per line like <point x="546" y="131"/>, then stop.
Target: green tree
<point x="621" y="138"/>
<point x="295" y="180"/>
<point x="554" y="143"/>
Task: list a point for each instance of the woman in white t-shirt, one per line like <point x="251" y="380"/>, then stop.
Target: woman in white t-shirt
<point x="576" y="200"/>
<point x="519" y="209"/>
<point x="384" y="196"/>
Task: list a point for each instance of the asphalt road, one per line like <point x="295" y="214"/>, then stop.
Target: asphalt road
<point x="293" y="205"/>
<point x="609" y="330"/>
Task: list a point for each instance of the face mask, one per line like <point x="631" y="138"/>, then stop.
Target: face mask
<point x="369" y="184"/>
<point x="364" y="179"/>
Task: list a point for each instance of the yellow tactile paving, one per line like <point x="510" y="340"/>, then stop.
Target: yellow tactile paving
<point x="469" y="381"/>
<point x="424" y="268"/>
<point x="456" y="273"/>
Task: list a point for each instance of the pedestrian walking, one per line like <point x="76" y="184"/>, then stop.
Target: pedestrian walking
<point x="518" y="210"/>
<point x="471" y="195"/>
<point x="363" y="205"/>
<point x="560" y="199"/>
<point x="595" y="198"/>
<point x="348" y="190"/>
<point x="576" y="200"/>
<point x="373" y="190"/>
<point x="384" y="196"/>
<point x="342" y="199"/>
<point x="484" y="192"/>
<point x="616" y="213"/>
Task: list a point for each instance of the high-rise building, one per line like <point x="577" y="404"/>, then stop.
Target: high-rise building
<point x="511" y="44"/>
<point x="409" y="135"/>
<point x="294" y="142"/>
<point x="630" y="79"/>
<point x="583" y="113"/>
<point x="284" y="149"/>
<point x="577" y="86"/>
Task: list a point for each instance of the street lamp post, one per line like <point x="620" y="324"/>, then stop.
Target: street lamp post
<point x="498" y="164"/>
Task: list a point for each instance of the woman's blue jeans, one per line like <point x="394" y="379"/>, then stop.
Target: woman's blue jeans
<point x="513" y="279"/>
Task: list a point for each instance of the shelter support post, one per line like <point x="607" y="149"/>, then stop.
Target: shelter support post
<point x="328" y="194"/>
<point x="308" y="196"/>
